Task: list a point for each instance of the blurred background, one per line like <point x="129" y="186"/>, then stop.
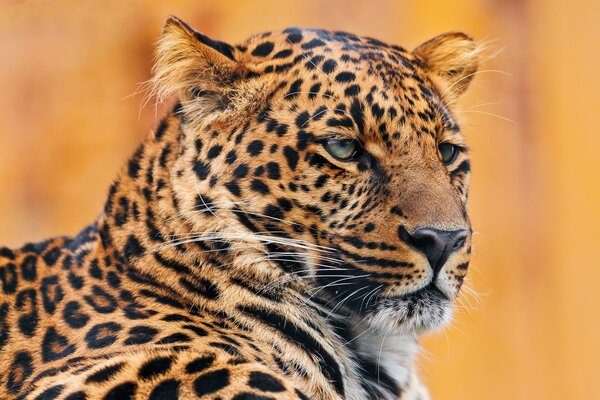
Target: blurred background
<point x="71" y="112"/>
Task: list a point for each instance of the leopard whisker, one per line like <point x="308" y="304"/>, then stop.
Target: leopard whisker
<point x="194" y="212"/>
<point x="259" y="238"/>
<point x="264" y="238"/>
<point x="338" y="305"/>
<point x="324" y="258"/>
<point x="301" y="262"/>
<point x="335" y="283"/>
<point x="371" y="293"/>
<point x="219" y="204"/>
<point x="295" y="274"/>
<point x="469" y="76"/>
<point x="490" y="114"/>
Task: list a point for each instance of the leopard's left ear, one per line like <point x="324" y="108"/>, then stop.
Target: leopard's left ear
<point x="189" y="63"/>
<point x="451" y="60"/>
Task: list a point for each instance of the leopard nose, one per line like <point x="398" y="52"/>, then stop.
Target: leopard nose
<point x="436" y="244"/>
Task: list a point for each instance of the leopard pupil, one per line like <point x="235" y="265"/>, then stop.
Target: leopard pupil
<point x="342" y="149"/>
<point x="448" y="152"/>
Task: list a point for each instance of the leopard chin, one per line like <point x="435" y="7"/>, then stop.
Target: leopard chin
<point x="423" y="311"/>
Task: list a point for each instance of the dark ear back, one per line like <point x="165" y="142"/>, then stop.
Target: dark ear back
<point x="189" y="62"/>
<point x="221" y="47"/>
<point x="451" y="60"/>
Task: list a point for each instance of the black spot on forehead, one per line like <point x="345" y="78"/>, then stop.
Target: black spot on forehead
<point x="329" y="66"/>
<point x="314" y="42"/>
<point x="283" y="53"/>
<point x="345" y="76"/>
<point x="263" y="49"/>
<point x="294" y="35"/>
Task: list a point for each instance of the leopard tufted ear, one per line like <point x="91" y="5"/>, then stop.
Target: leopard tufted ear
<point x="452" y="59"/>
<point x="190" y="64"/>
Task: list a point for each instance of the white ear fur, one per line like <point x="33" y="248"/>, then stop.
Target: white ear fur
<point x="188" y="63"/>
<point x="451" y="59"/>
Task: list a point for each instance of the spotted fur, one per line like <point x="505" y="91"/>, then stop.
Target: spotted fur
<point x="235" y="257"/>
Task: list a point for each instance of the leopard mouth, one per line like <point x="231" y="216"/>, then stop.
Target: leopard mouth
<point x="429" y="292"/>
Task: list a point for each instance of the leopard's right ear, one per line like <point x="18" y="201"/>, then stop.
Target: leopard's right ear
<point x="189" y="63"/>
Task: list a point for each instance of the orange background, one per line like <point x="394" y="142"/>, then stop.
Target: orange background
<point x="70" y="115"/>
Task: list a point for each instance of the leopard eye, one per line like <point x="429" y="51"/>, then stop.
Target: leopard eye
<point x="448" y="152"/>
<point x="342" y="149"/>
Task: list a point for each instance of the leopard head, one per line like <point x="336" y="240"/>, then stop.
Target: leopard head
<point x="328" y="160"/>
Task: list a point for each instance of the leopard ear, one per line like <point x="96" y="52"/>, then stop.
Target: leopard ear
<point x="451" y="59"/>
<point x="189" y="63"/>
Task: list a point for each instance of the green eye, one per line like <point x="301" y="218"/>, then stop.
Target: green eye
<point x="448" y="152"/>
<point x="342" y="150"/>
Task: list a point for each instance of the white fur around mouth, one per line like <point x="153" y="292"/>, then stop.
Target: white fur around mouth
<point x="426" y="312"/>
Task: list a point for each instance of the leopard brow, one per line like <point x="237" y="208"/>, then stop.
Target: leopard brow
<point x="303" y="54"/>
<point x="321" y="112"/>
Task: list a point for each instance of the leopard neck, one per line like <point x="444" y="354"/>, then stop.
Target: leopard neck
<point x="148" y="224"/>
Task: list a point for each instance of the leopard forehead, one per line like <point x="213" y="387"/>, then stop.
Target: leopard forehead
<point x="338" y="70"/>
<point x="295" y="45"/>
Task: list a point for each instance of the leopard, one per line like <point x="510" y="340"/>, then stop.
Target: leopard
<point x="291" y="228"/>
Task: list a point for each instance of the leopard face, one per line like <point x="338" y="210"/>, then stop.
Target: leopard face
<point x="336" y="158"/>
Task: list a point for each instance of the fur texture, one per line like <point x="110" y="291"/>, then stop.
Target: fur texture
<point x="240" y="255"/>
